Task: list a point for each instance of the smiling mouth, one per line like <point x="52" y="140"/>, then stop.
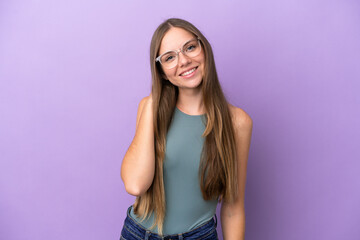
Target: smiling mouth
<point x="188" y="72"/>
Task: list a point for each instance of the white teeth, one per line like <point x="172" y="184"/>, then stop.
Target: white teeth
<point x="188" y="72"/>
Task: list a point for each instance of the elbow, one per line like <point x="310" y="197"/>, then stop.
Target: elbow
<point x="134" y="188"/>
<point x="135" y="184"/>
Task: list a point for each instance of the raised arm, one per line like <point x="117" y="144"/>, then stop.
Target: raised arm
<point x="138" y="165"/>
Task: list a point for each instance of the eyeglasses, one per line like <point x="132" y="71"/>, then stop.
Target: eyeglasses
<point x="170" y="59"/>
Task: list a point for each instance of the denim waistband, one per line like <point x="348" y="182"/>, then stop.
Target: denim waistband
<point x="148" y="235"/>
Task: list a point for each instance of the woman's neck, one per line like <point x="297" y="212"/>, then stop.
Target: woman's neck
<point x="191" y="102"/>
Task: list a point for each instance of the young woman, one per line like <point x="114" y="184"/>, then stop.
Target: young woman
<point x="190" y="148"/>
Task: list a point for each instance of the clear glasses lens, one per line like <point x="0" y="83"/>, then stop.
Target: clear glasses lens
<point x="190" y="49"/>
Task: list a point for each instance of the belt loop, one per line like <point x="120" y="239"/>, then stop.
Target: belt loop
<point x="180" y="236"/>
<point x="147" y="234"/>
<point x="215" y="220"/>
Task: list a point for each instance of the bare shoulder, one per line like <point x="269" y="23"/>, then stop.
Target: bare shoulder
<point x="140" y="108"/>
<point x="141" y="105"/>
<point x="144" y="100"/>
<point x="241" y="120"/>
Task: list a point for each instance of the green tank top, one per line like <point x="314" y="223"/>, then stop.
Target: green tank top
<point x="185" y="207"/>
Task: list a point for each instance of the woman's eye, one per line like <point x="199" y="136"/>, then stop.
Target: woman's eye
<point x="190" y="48"/>
<point x="168" y="58"/>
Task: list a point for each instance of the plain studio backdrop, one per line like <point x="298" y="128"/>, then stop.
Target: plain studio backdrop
<point x="73" y="72"/>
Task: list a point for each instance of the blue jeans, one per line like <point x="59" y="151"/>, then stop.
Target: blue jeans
<point x="133" y="231"/>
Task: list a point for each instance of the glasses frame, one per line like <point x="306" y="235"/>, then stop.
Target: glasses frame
<point x="178" y="51"/>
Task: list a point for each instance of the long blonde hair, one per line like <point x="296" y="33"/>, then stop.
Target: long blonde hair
<point x="218" y="165"/>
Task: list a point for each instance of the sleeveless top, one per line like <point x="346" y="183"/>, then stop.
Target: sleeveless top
<point x="185" y="207"/>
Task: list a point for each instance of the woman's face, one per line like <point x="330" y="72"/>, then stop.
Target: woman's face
<point x="189" y="72"/>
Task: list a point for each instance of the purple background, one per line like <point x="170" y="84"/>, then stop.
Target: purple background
<point x="72" y="74"/>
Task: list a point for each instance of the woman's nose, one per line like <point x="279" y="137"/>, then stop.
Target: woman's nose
<point x="183" y="59"/>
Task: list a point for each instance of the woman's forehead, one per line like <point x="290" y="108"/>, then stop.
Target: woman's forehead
<point x="174" y="39"/>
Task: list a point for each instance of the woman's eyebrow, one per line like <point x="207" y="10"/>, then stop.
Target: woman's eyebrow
<point x="178" y="48"/>
<point x="188" y="41"/>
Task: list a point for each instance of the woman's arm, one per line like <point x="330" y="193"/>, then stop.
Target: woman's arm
<point x="138" y="165"/>
<point x="233" y="214"/>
